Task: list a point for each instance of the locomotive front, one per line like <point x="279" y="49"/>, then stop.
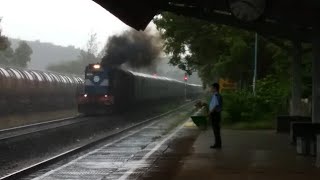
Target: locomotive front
<point x="97" y="96"/>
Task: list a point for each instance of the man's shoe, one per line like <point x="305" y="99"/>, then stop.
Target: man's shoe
<point x="215" y="147"/>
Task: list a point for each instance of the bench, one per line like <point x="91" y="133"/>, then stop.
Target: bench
<point x="304" y="136"/>
<point x="283" y="123"/>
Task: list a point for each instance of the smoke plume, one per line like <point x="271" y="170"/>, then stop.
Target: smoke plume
<point x="133" y="49"/>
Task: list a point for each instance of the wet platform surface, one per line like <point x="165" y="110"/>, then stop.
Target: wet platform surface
<point x="247" y="155"/>
<point x="159" y="151"/>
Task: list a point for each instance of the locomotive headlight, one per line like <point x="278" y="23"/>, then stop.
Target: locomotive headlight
<point x="96" y="66"/>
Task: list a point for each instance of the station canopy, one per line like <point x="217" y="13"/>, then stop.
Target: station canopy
<point x="289" y="19"/>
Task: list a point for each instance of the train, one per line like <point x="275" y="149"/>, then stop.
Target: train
<point x="24" y="90"/>
<point x="110" y="89"/>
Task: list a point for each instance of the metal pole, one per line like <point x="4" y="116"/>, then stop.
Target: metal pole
<point x="185" y="90"/>
<point x="255" y="64"/>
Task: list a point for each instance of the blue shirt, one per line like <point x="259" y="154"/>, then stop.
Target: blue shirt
<point x="214" y="102"/>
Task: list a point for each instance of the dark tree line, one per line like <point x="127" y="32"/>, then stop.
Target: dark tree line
<point x="20" y="57"/>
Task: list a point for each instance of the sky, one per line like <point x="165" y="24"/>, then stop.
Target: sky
<point x="62" y="22"/>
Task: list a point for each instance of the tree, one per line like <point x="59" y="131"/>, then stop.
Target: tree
<point x="3" y="40"/>
<point x="6" y="51"/>
<point x="6" y="54"/>
<point x="21" y="56"/>
<point x="89" y="55"/>
<point x="213" y="50"/>
<point x="92" y="44"/>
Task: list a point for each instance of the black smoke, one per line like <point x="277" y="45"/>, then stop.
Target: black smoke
<point x="134" y="49"/>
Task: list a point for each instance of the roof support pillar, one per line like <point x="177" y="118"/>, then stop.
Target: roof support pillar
<point x="316" y="75"/>
<point x="296" y="86"/>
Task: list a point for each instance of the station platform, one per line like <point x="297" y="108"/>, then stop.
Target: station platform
<point x="247" y="155"/>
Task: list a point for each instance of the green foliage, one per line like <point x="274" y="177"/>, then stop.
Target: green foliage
<point x="21" y="56"/>
<point x="218" y="50"/>
<point x="6" y="52"/>
<point x="270" y="100"/>
<point x="196" y="45"/>
<point x="3" y="40"/>
<point x="6" y="56"/>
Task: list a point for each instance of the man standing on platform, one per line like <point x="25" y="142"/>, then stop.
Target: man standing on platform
<point x="215" y="109"/>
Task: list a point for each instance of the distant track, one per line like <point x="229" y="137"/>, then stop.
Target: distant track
<point x="37" y="127"/>
<point x="30" y="169"/>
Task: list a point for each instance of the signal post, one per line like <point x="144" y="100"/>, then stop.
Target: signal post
<point x="185" y="86"/>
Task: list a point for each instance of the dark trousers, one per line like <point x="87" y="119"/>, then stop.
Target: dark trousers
<point x="215" y="122"/>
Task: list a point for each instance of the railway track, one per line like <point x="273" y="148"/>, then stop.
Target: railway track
<point x="35" y="167"/>
<point x="15" y="132"/>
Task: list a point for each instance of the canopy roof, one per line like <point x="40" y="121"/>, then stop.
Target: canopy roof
<point x="290" y="19"/>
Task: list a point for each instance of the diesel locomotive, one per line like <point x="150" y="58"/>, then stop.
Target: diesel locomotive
<point x="110" y="89"/>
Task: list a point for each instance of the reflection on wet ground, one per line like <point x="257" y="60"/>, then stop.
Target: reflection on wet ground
<point x="184" y="153"/>
<point x="126" y="157"/>
<point x="245" y="155"/>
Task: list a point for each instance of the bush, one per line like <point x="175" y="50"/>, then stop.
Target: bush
<point x="270" y="100"/>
